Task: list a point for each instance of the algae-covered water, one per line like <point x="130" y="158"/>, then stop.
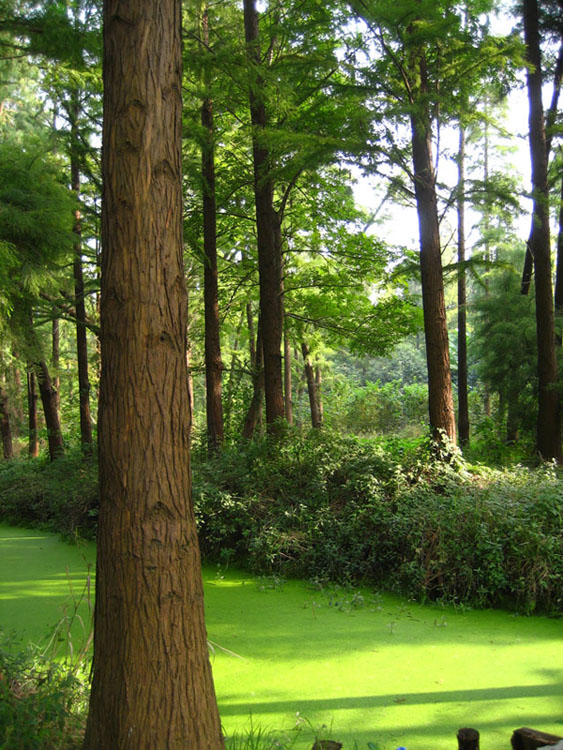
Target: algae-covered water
<point x="372" y="668"/>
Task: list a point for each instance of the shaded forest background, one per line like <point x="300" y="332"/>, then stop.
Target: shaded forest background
<point x="332" y="332"/>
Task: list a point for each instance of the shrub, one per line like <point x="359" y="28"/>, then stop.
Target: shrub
<point x="388" y="513"/>
<point x="61" y="495"/>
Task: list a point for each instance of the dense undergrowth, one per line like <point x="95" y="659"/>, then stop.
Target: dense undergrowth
<point x="42" y="702"/>
<point x="325" y="507"/>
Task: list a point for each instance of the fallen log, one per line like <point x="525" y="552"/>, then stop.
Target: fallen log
<point x="531" y="739"/>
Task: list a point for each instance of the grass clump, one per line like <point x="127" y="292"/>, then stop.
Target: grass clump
<point x="42" y="702"/>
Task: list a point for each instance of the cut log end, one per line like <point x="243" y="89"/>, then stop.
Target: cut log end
<point x="468" y="739"/>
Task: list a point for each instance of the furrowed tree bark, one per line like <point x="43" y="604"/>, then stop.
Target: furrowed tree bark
<point x="213" y="361"/>
<point x="316" y="418"/>
<point x="33" y="446"/>
<point x="152" y="687"/>
<point x="48" y="395"/>
<point x="440" y="399"/>
<point x="463" y="405"/>
<point x="269" y="255"/>
<point x="549" y="425"/>
<point x="79" y="300"/>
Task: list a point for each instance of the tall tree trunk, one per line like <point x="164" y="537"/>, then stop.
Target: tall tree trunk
<point x="269" y="257"/>
<point x="440" y="398"/>
<point x="79" y="302"/>
<point x="316" y="419"/>
<point x="487" y="390"/>
<point x="213" y="362"/>
<point x="152" y="687"/>
<point x="33" y="448"/>
<point x="5" y="425"/>
<point x="550" y="122"/>
<point x="549" y="426"/>
<point x="463" y="405"/>
<point x="49" y="401"/>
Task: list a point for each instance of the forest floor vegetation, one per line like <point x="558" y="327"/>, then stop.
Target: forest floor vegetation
<point x="384" y="512"/>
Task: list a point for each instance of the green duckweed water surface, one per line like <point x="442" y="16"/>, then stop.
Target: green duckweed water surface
<point x="386" y="671"/>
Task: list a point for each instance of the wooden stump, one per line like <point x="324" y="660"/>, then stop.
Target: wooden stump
<point x="327" y="745"/>
<point x="468" y="739"/>
<point x="530" y="739"/>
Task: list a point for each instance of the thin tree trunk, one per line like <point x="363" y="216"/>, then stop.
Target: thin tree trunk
<point x="33" y="448"/>
<point x="5" y="425"/>
<point x="316" y="420"/>
<point x="549" y="426"/>
<point x="319" y="391"/>
<point x="255" y="409"/>
<point x="81" y="338"/>
<point x="287" y="390"/>
<point x="234" y="377"/>
<point x="487" y="390"/>
<point x="213" y="361"/>
<point x="189" y="374"/>
<point x="18" y="402"/>
<point x="287" y="387"/>
<point x="300" y="391"/>
<point x="251" y="341"/>
<point x="56" y="358"/>
<point x="463" y="405"/>
<point x="559" y="265"/>
<point x="269" y="256"/>
<point x="440" y="398"/>
<point x="49" y="401"/>
<point x="511" y="420"/>
<point x="152" y="687"/>
<point x="190" y="383"/>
